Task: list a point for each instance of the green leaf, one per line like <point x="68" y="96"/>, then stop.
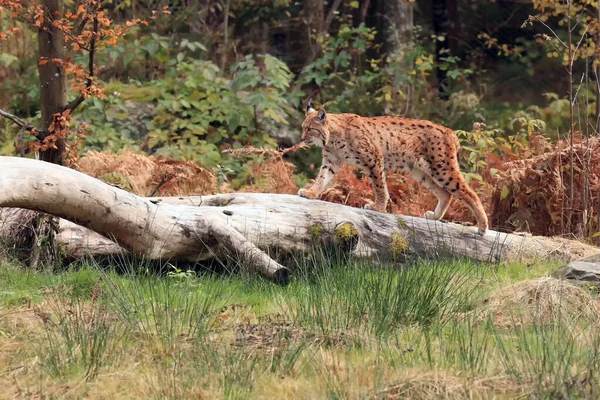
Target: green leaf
<point x="151" y="48"/>
<point x="163" y="57"/>
<point x="504" y="193"/>
<point x="354" y="4"/>
<point x="453" y="74"/>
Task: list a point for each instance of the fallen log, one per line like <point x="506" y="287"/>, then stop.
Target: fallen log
<point x="97" y="218"/>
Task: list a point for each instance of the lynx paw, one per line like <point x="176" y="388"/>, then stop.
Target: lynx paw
<point x="306" y="194"/>
<point x="372" y="207"/>
<point x="482" y="230"/>
<point x="429" y="215"/>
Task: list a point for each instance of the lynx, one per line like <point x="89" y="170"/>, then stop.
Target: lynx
<point x="429" y="152"/>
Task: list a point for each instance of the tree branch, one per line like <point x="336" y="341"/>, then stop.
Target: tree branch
<point x="22" y="124"/>
<point x="75" y="103"/>
<point x="79" y="29"/>
<point x="39" y="134"/>
<point x="334" y="7"/>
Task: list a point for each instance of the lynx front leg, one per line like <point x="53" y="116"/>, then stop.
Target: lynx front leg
<point x="326" y="174"/>
<point x="377" y="175"/>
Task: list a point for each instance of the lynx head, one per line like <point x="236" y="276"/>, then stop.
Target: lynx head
<point x="314" y="127"/>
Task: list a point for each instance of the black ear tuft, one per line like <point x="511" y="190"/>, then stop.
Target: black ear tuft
<point x="309" y="106"/>
<point x="322" y="114"/>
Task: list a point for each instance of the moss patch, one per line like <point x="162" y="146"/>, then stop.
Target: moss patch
<point x="315" y="231"/>
<point x="346" y="235"/>
<point x="398" y="246"/>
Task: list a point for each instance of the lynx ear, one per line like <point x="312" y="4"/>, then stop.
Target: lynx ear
<point x="309" y="106"/>
<point x="322" y="114"/>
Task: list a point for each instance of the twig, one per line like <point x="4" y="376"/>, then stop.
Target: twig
<point x="554" y="33"/>
<point x="295" y="148"/>
<point x="162" y="182"/>
<point x="22" y="124"/>
<point x="334" y="7"/>
<point x="580" y="40"/>
<point x="246" y="151"/>
<point x="22" y="142"/>
<point x="27" y="127"/>
<point x="75" y="103"/>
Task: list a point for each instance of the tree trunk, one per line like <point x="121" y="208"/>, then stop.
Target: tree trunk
<point x="243" y="225"/>
<point x="453" y="26"/>
<point x="53" y="79"/>
<point x="441" y="28"/>
<point x="394" y="23"/>
<point x="597" y="73"/>
<point x="314" y="17"/>
<point x="401" y="14"/>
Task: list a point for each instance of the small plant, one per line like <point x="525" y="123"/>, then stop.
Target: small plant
<point x="178" y="275"/>
<point x="179" y="306"/>
<point x="78" y="338"/>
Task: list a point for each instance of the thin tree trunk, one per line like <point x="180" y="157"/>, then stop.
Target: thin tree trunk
<point x="597" y="73"/>
<point x="225" y="36"/>
<point x="453" y="26"/>
<point x="441" y="26"/>
<point x="53" y="78"/>
<point x="569" y="226"/>
<point x="314" y="17"/>
<point x="394" y="23"/>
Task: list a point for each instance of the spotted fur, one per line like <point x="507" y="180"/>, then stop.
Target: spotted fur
<point x="429" y="152"/>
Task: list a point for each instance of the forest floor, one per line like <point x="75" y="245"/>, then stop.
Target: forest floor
<point x="341" y="329"/>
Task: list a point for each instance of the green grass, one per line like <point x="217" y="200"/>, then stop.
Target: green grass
<point x="341" y="329"/>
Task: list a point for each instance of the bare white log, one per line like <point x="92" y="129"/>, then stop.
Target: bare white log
<point x="154" y="231"/>
<point x="245" y="224"/>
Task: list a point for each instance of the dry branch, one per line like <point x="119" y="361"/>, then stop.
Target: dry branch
<point x="243" y="224"/>
<point x="90" y="80"/>
<point x="22" y="124"/>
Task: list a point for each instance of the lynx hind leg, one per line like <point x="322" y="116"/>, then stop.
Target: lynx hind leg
<point x="458" y="187"/>
<point x="448" y="178"/>
<point x="444" y="197"/>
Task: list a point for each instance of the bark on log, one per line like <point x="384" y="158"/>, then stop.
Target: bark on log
<point x="246" y="224"/>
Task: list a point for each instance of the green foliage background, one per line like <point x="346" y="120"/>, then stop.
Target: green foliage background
<point x="194" y="83"/>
